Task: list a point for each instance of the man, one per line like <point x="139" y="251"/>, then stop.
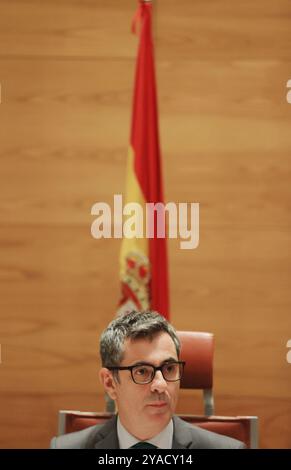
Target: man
<point x="141" y="372"/>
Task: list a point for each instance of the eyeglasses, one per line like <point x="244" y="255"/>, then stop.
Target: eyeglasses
<point x="144" y="373"/>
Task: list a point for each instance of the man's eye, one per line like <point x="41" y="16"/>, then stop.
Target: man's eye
<point x="170" y="368"/>
<point x="141" y="371"/>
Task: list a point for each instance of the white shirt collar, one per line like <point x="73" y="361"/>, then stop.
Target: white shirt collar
<point x="163" y="440"/>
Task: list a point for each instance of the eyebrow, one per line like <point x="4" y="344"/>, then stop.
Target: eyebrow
<point x="165" y="361"/>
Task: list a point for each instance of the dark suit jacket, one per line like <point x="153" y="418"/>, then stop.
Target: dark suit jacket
<point x="186" y="436"/>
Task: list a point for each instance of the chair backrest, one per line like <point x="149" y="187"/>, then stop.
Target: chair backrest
<point x="243" y="428"/>
<point x="197" y="350"/>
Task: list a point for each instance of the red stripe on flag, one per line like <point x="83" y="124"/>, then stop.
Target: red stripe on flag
<point x="147" y="164"/>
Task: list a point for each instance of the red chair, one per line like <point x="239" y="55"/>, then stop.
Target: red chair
<point x="197" y="350"/>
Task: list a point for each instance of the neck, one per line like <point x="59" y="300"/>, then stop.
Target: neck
<point x="143" y="431"/>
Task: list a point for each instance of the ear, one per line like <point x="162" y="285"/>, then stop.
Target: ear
<point x="108" y="382"/>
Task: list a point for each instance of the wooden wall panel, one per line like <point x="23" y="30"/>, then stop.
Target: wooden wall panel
<point x="66" y="28"/>
<point x="66" y="73"/>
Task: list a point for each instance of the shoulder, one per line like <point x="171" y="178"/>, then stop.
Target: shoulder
<point x="196" y="437"/>
<point x="74" y="440"/>
<point x="85" y="439"/>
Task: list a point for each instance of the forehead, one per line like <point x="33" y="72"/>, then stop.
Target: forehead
<point x="156" y="350"/>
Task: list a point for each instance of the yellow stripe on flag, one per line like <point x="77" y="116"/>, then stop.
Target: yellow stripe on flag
<point x="134" y="253"/>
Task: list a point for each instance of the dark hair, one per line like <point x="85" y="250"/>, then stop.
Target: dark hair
<point x="134" y="325"/>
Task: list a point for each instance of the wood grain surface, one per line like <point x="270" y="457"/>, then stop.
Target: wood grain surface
<point x="66" y="74"/>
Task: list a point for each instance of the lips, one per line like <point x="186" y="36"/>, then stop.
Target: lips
<point x="159" y="404"/>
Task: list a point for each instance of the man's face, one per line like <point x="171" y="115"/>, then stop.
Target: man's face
<point x="145" y="410"/>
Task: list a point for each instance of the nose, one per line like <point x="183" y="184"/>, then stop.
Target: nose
<point x="158" y="384"/>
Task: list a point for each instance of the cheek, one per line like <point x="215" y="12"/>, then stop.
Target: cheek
<point x="132" y="396"/>
<point x="174" y="392"/>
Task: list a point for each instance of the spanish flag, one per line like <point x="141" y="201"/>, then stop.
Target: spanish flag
<point x="143" y="261"/>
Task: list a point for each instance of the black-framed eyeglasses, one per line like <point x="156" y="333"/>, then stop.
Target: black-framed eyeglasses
<point x="144" y="373"/>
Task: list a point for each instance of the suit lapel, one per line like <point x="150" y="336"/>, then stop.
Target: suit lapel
<point x="183" y="437"/>
<point x="107" y="438"/>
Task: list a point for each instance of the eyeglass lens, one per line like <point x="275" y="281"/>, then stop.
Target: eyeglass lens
<point x="145" y="373"/>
